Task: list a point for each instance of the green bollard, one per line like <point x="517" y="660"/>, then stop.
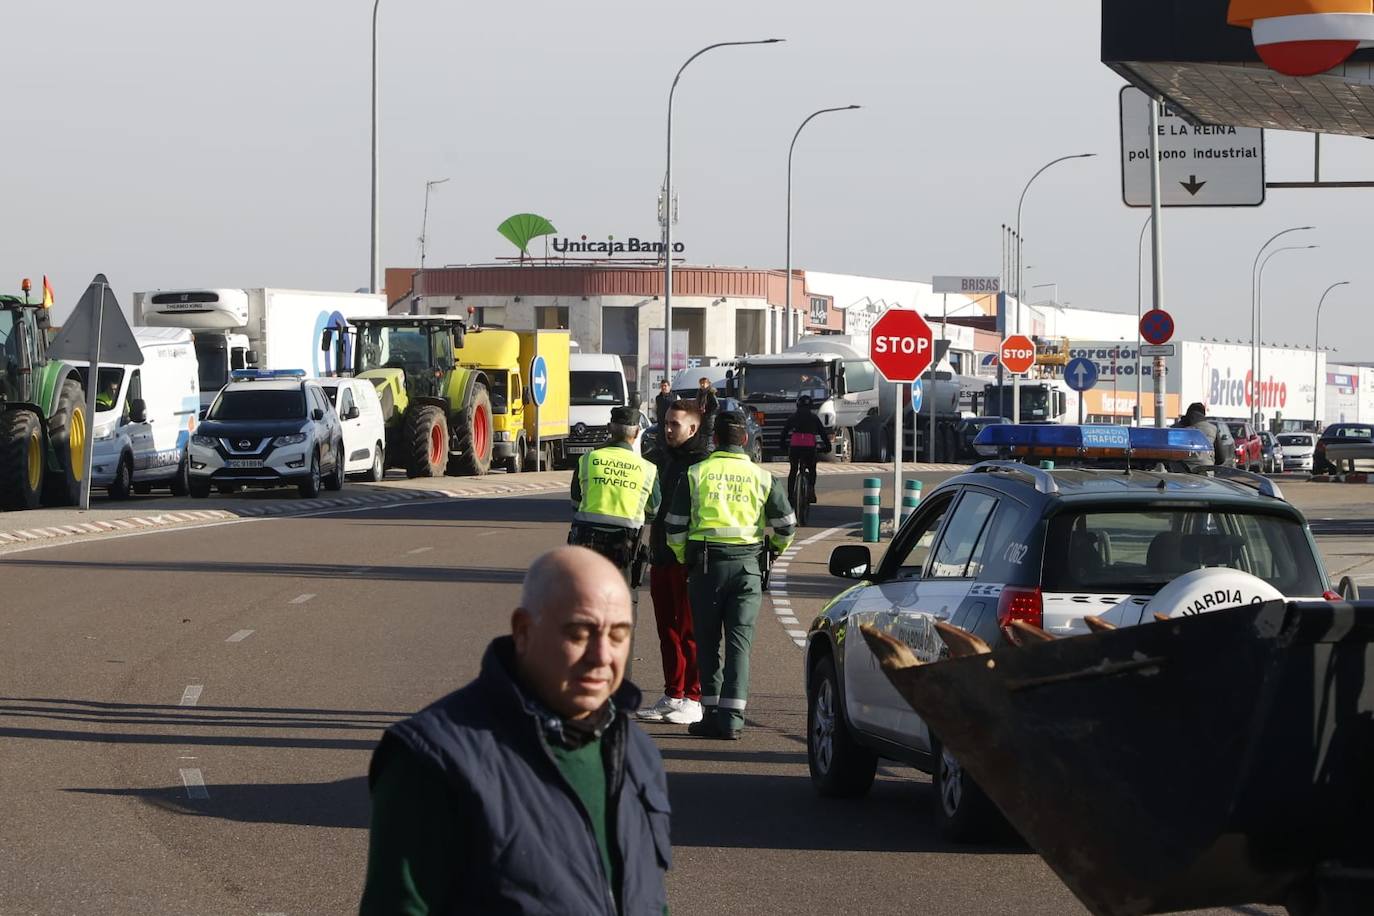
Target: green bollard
<point x="911" y="498"/>
<point x="873" y="497"/>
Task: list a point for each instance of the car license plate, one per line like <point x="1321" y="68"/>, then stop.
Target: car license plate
<point x="579" y="449"/>
<point x="243" y="463"/>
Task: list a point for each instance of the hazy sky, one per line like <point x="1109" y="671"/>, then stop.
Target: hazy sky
<point x="169" y="143"/>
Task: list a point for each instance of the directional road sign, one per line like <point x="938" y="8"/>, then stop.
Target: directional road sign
<point x="901" y="345"/>
<point x="539" y="380"/>
<point x="1080" y="373"/>
<point x="1199" y="166"/>
<point x="1018" y="354"/>
<point x="1157" y="326"/>
<point x="918" y="392"/>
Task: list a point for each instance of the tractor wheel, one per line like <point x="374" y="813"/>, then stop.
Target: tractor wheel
<point x="21" y="460"/>
<point x="474" y="437"/>
<point x="67" y="431"/>
<point x="426" y="441"/>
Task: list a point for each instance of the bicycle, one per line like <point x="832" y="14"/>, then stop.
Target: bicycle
<point x="801" y="494"/>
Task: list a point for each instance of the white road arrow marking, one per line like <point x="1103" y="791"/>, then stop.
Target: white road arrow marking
<point x="1079" y="372"/>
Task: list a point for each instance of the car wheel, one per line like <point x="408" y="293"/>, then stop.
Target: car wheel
<point x="310" y="486"/>
<point x="123" y="482"/>
<point x="840" y="766"/>
<point x="181" y="482"/>
<point x="335" y="480"/>
<point x="199" y="489"/>
<point x="515" y="464"/>
<point x="963" y="813"/>
<point x="378" y="469"/>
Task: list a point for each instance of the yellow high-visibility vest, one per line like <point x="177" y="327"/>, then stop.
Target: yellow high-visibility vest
<point x="616" y="485"/>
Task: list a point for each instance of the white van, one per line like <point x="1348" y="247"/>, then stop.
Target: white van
<point x="596" y="386"/>
<point x="144" y="416"/>
<point x="364" y="430"/>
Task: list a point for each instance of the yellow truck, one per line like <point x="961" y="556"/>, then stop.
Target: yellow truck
<point x="505" y="357"/>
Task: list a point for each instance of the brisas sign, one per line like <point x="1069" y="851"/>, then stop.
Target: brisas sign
<point x="612" y="246"/>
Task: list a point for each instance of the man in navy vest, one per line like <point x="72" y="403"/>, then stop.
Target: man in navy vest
<point x="528" y="790"/>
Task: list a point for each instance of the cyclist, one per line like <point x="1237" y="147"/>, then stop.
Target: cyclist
<point x="803" y="432"/>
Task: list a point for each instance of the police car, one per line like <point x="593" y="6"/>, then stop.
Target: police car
<point x="1124" y="535"/>
<point x="268" y="429"/>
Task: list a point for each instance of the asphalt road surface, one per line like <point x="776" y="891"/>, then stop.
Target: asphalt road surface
<point x="186" y="719"/>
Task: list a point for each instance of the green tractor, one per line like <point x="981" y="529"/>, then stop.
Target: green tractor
<point x="438" y="414"/>
<point x="43" y="422"/>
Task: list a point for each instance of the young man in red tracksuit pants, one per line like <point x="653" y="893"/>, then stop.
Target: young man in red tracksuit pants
<point x="680" y="445"/>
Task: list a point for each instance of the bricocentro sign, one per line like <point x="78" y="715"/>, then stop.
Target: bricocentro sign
<point x="612" y="246"/>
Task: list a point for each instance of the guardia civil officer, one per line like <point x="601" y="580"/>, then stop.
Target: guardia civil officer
<point x="612" y="492"/>
<point x="717" y="527"/>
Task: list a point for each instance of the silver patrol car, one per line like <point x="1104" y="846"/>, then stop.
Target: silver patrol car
<point x="1011" y="541"/>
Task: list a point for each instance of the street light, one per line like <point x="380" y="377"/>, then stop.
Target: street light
<point x="376" y="225"/>
<point x="424" y="223"/>
<point x="787" y="309"/>
<point x="1254" y="313"/>
<point x="668" y="202"/>
<point x="1020" y="274"/>
<point x="1258" y="380"/>
<point x="1316" y="335"/>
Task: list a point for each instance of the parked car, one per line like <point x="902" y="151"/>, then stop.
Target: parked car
<point x="968" y="429"/>
<point x="752" y="424"/>
<point x="1297" y="450"/>
<point x="268" y="429"/>
<point x="364" y="429"/>
<point x="1344" y="447"/>
<point x="1249" y="448"/>
<point x="1273" y="452"/>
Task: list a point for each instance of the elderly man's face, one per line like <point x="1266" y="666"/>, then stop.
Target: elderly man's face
<point x="679" y="427"/>
<point x="573" y="653"/>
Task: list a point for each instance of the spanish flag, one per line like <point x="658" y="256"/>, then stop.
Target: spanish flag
<point x="47" y="293"/>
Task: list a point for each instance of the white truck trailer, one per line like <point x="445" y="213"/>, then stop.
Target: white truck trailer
<point x="257" y="328"/>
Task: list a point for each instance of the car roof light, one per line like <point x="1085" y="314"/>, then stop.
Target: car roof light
<point x="249" y="375"/>
<point x="1116" y="443"/>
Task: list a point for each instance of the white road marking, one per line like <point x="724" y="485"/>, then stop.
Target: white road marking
<point x="797" y="634"/>
<point x="240" y="636"/>
<point x="191" y="695"/>
<point x="194" y="783"/>
<point x="302" y="599"/>
<point x="788" y="621"/>
<point x="360" y="571"/>
<point x="420" y="550"/>
<point x="777" y="587"/>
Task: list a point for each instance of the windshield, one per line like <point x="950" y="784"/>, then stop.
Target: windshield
<point x="1035" y="402"/>
<point x="109" y="381"/>
<point x="259" y="404"/>
<point x="382" y="346"/>
<point x="499" y="390"/>
<point x="1295" y="440"/>
<point x="784" y="383"/>
<point x="212" y="353"/>
<point x="1141" y="552"/>
<point x="591" y="388"/>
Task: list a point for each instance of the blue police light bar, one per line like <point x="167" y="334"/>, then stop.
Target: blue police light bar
<point x="1104" y="442"/>
<point x="250" y="375"/>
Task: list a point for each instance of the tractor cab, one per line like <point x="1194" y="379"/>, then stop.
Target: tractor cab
<point x="23" y="348"/>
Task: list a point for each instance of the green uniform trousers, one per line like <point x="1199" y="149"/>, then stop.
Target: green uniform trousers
<point x="725" y="598"/>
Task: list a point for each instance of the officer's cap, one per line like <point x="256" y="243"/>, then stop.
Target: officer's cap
<point x="625" y="416"/>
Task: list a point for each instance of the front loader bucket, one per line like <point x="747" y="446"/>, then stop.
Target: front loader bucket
<point x="1224" y="758"/>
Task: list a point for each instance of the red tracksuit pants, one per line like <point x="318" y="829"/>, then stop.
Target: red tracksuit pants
<point x="673" y="613"/>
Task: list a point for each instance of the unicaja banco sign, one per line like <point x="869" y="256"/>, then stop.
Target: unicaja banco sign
<point x="1305" y="37"/>
<point x="612" y="246"/>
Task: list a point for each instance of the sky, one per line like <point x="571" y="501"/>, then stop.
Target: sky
<point x="171" y="144"/>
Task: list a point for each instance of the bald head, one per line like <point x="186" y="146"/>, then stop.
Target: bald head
<point x="572" y="630"/>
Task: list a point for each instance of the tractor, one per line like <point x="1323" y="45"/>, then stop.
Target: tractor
<point x="43" y="422"/>
<point x="438" y="414"/>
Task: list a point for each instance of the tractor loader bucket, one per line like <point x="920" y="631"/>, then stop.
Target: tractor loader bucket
<point x="1223" y="758"/>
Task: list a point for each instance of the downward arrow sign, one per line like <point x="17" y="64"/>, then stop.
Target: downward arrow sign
<point x="1192" y="185"/>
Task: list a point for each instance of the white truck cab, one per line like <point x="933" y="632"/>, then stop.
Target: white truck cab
<point x="596" y="386"/>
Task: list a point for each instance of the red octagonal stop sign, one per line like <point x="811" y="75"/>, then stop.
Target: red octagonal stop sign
<point x="901" y="345"/>
<point x="1018" y="354"/>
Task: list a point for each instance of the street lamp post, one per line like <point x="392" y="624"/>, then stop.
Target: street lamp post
<point x="668" y="202"/>
<point x="1316" y="337"/>
<point x="1254" y="319"/>
<point x="1257" y="398"/>
<point x="787" y="308"/>
<point x="376" y="224"/>
<point x="1020" y="274"/>
<point x="424" y="223"/>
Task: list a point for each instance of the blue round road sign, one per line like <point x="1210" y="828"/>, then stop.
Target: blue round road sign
<point x="1080" y="373"/>
<point x="539" y="380"/>
<point x="918" y="392"/>
<point x="1157" y="326"/>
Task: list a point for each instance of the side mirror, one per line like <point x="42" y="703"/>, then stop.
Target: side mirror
<point x="138" y="411"/>
<point x="352" y="413"/>
<point x="252" y="357"/>
<point x="317" y="414"/>
<point x="851" y="561"/>
<point x="327" y="339"/>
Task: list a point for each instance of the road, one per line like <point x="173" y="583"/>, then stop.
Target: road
<point x="187" y="717"/>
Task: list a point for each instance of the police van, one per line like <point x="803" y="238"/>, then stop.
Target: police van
<point x="1068" y="529"/>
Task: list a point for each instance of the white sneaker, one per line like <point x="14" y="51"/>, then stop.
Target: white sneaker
<point x="684" y="712"/>
<point x="659" y="710"/>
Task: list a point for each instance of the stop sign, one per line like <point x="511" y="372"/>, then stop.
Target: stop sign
<point x="901" y="345"/>
<point x="1018" y="354"/>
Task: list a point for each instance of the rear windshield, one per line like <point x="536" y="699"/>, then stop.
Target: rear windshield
<point x="1295" y="440"/>
<point x="259" y="404"/>
<point x="1141" y="552"/>
<point x="1237" y="429"/>
<point x="1350" y="432"/>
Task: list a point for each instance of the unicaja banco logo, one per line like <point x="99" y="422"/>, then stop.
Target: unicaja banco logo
<point x="1305" y="37"/>
<point x="523" y="228"/>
